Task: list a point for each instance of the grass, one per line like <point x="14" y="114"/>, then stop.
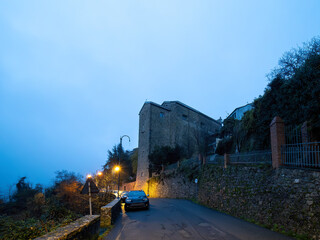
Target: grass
<point x="105" y="232"/>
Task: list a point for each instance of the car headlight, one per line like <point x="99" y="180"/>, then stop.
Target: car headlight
<point x="145" y="199"/>
<point x="128" y="200"/>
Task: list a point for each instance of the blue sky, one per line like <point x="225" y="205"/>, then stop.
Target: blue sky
<point x="74" y="74"/>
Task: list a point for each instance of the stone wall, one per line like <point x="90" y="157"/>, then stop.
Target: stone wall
<point x="284" y="200"/>
<point x="86" y="228"/>
<point x="110" y="212"/>
<point x="128" y="186"/>
<point x="172" y="187"/>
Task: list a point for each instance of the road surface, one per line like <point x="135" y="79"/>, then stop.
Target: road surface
<point x="181" y="219"/>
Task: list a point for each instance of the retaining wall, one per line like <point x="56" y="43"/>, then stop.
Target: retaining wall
<point x="110" y="212"/>
<point x="85" y="228"/>
<point x="284" y="200"/>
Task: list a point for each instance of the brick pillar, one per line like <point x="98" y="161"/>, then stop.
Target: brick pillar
<point x="304" y="132"/>
<point x="226" y="160"/>
<point x="204" y="160"/>
<point x="277" y="136"/>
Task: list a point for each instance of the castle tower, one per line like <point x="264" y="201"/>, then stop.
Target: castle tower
<point x="172" y="123"/>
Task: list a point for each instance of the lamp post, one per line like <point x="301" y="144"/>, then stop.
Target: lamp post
<point x="117" y="169"/>
<point x="100" y="174"/>
<point x="119" y="161"/>
<point x="90" y="205"/>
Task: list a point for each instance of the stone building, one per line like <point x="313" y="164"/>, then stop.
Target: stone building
<point x="171" y="123"/>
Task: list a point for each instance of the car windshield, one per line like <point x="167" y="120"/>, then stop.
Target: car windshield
<point x="136" y="194"/>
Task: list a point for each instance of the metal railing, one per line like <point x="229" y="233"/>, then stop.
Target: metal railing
<point x="302" y="155"/>
<point x="254" y="157"/>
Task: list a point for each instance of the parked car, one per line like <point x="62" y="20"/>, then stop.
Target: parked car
<point x="136" y="199"/>
<point x="124" y="196"/>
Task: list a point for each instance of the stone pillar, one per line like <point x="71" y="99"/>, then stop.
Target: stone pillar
<point x="226" y="160"/>
<point x="277" y="136"/>
<point x="304" y="132"/>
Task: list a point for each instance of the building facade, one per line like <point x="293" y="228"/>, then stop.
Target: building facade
<point x="169" y="124"/>
<point x="240" y="111"/>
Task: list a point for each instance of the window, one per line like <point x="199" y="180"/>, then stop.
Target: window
<point x="184" y="117"/>
<point x="161" y="115"/>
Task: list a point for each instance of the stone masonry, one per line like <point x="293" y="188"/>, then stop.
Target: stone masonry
<point x="171" y="123"/>
<point x="284" y="200"/>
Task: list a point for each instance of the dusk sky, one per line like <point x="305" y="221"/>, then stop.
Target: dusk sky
<point x="74" y="74"/>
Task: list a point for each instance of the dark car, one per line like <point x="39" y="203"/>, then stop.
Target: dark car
<point x="136" y="199"/>
<point x="124" y="196"/>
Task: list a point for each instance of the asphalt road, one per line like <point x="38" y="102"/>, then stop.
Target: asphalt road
<point x="182" y="219"/>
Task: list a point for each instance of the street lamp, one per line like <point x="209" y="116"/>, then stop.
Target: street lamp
<point x="117" y="169"/>
<point x="119" y="161"/>
<point x="89" y="176"/>
<point x="99" y="179"/>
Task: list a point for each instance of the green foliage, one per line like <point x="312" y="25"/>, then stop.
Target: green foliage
<point x="30" y="213"/>
<point x="224" y="146"/>
<point x="163" y="156"/>
<point x="234" y="133"/>
<point x="134" y="161"/>
<point x="293" y="93"/>
<point x="29" y="229"/>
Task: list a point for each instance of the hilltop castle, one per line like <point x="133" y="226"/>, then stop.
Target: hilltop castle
<point x="171" y="123"/>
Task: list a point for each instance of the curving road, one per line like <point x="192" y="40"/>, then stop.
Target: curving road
<point x="181" y="219"/>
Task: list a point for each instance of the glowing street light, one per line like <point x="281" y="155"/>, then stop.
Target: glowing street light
<point x="117" y="169"/>
<point x="99" y="174"/>
<point x="89" y="176"/>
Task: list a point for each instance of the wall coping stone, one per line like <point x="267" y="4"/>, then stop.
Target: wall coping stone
<point x="71" y="229"/>
<point x="111" y="204"/>
<point x="275" y="120"/>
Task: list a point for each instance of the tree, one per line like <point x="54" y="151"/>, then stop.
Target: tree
<point x="163" y="156"/>
<point x="202" y="142"/>
<point x="24" y="193"/>
<point x="134" y="162"/>
<point x="67" y="190"/>
<point x="114" y="155"/>
<point x="293" y="93"/>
